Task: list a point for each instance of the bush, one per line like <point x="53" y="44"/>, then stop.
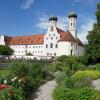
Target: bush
<point x="59" y="76"/>
<point x="64" y="93"/>
<point x="98" y="67"/>
<point x="96" y="95"/>
<point x="82" y="83"/>
<point x="87" y="74"/>
<point x="26" y="75"/>
<point x="67" y="82"/>
<point x="12" y="94"/>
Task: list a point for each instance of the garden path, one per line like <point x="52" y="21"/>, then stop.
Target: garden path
<point x="45" y="91"/>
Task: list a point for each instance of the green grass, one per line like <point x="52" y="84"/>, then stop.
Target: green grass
<point x="4" y="72"/>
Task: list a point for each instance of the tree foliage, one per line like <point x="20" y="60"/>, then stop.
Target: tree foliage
<point x="92" y="50"/>
<point x="5" y="50"/>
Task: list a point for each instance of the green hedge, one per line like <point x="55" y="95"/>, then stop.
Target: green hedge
<point x="67" y="90"/>
<point x="63" y="93"/>
<point x="88" y="73"/>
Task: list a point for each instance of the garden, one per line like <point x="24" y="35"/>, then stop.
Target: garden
<point x="75" y="80"/>
<point x="21" y="78"/>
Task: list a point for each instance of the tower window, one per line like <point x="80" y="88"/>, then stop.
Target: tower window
<point x="71" y="24"/>
<point x="74" y="24"/>
<point x="51" y="45"/>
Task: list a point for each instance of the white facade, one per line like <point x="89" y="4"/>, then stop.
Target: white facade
<point x="52" y="46"/>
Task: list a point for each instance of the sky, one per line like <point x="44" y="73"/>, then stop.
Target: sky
<point x="27" y="17"/>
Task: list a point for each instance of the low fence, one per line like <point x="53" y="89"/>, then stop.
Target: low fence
<point x="29" y="57"/>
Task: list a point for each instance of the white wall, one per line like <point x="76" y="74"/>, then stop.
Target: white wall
<point x="64" y="48"/>
<point x="51" y="37"/>
<point x="23" y="49"/>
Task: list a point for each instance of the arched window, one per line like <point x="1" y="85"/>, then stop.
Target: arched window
<point x="46" y="45"/>
<point x="51" y="45"/>
<point x="56" y="45"/>
<point x="71" y="24"/>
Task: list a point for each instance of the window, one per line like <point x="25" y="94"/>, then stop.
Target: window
<point x="46" y="45"/>
<point x="74" y="24"/>
<point x="47" y="54"/>
<point x="71" y="52"/>
<point x="71" y="24"/>
<point x="51" y="38"/>
<point x="56" y="38"/>
<point x="54" y="54"/>
<point x="56" y="45"/>
<point x="71" y="44"/>
<point x="26" y="46"/>
<point x="51" y="45"/>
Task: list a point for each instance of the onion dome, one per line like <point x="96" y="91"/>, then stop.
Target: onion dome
<point x="72" y="15"/>
<point x="53" y="18"/>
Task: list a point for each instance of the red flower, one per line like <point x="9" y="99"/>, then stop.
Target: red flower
<point x="2" y="86"/>
<point x="10" y="92"/>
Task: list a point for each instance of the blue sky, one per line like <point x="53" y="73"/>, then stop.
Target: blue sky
<point x="26" y="17"/>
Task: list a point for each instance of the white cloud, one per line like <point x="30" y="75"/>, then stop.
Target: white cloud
<point x="43" y="22"/>
<point x="85" y="28"/>
<point x="63" y="22"/>
<point x="27" y="4"/>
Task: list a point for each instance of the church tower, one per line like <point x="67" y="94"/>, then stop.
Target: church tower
<point x="53" y="21"/>
<point x="73" y="24"/>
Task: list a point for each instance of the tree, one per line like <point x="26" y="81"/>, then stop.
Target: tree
<point x="5" y="50"/>
<point x="92" y="50"/>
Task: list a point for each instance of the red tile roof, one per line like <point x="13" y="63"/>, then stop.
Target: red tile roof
<point x="39" y="39"/>
<point x="21" y="40"/>
<point x="66" y="36"/>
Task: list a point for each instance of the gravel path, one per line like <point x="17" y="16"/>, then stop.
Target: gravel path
<point x="45" y="91"/>
<point x="96" y="84"/>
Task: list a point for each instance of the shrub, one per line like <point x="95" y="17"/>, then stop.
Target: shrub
<point x="82" y="83"/>
<point x="88" y="73"/>
<point x="67" y="82"/>
<point x="59" y="76"/>
<point x="29" y="75"/>
<point x="12" y="94"/>
<point x="64" y="93"/>
<point x="85" y="93"/>
<point x="96" y="96"/>
<point x="19" y="68"/>
<point x="98" y="66"/>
